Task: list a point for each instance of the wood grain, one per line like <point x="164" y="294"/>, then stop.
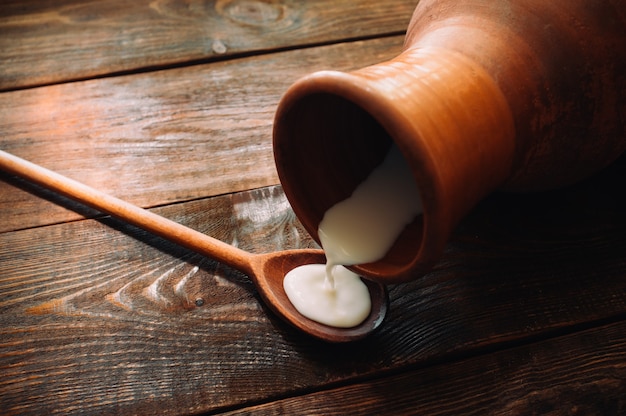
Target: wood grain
<point x="38" y="39"/>
<point x="113" y="324"/>
<point x="577" y="374"/>
<point x="104" y="294"/>
<point x="160" y="137"/>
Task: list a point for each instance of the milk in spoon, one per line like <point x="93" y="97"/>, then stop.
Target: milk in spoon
<point x="360" y="229"/>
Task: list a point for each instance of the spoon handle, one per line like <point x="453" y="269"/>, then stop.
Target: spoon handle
<point x="132" y="214"/>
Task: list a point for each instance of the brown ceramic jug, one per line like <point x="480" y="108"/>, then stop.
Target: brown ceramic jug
<point x="486" y="95"/>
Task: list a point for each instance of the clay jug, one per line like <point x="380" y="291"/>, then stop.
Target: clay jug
<point x="509" y="94"/>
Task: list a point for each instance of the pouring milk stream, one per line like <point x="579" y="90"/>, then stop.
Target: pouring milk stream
<point x="358" y="230"/>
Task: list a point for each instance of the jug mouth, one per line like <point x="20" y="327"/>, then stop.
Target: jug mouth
<point x="330" y="133"/>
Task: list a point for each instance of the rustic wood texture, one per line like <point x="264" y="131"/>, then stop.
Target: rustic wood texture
<point x="38" y="39"/>
<point x="524" y="314"/>
<point x="125" y="304"/>
<point x="165" y="136"/>
<point x="591" y="381"/>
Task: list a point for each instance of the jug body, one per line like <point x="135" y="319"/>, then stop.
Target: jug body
<point x="562" y="68"/>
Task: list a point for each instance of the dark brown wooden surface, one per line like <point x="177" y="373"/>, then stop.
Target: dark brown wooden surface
<point x="524" y="314"/>
<point x="169" y="136"/>
<point x="46" y="42"/>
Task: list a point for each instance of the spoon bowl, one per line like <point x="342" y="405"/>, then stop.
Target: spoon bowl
<point x="267" y="271"/>
<point x="274" y="266"/>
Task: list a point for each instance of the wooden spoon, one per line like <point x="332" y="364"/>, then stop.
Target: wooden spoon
<point x="266" y="270"/>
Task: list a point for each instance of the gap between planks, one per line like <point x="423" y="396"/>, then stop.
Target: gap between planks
<point x="450" y="360"/>
<point x="201" y="61"/>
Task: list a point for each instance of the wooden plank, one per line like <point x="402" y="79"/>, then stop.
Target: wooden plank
<point x="581" y="373"/>
<point x="99" y="317"/>
<point x="161" y="137"/>
<point x="38" y="39"/>
<point x="111" y="304"/>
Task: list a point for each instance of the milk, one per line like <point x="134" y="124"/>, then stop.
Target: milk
<point x="344" y="305"/>
<point x="360" y="229"/>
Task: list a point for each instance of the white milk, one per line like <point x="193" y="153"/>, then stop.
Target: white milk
<point x="358" y="230"/>
<point x="344" y="306"/>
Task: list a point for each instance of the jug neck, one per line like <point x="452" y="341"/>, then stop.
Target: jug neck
<point x="444" y="112"/>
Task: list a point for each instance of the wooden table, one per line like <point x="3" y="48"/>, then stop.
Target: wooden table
<point x="169" y="105"/>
